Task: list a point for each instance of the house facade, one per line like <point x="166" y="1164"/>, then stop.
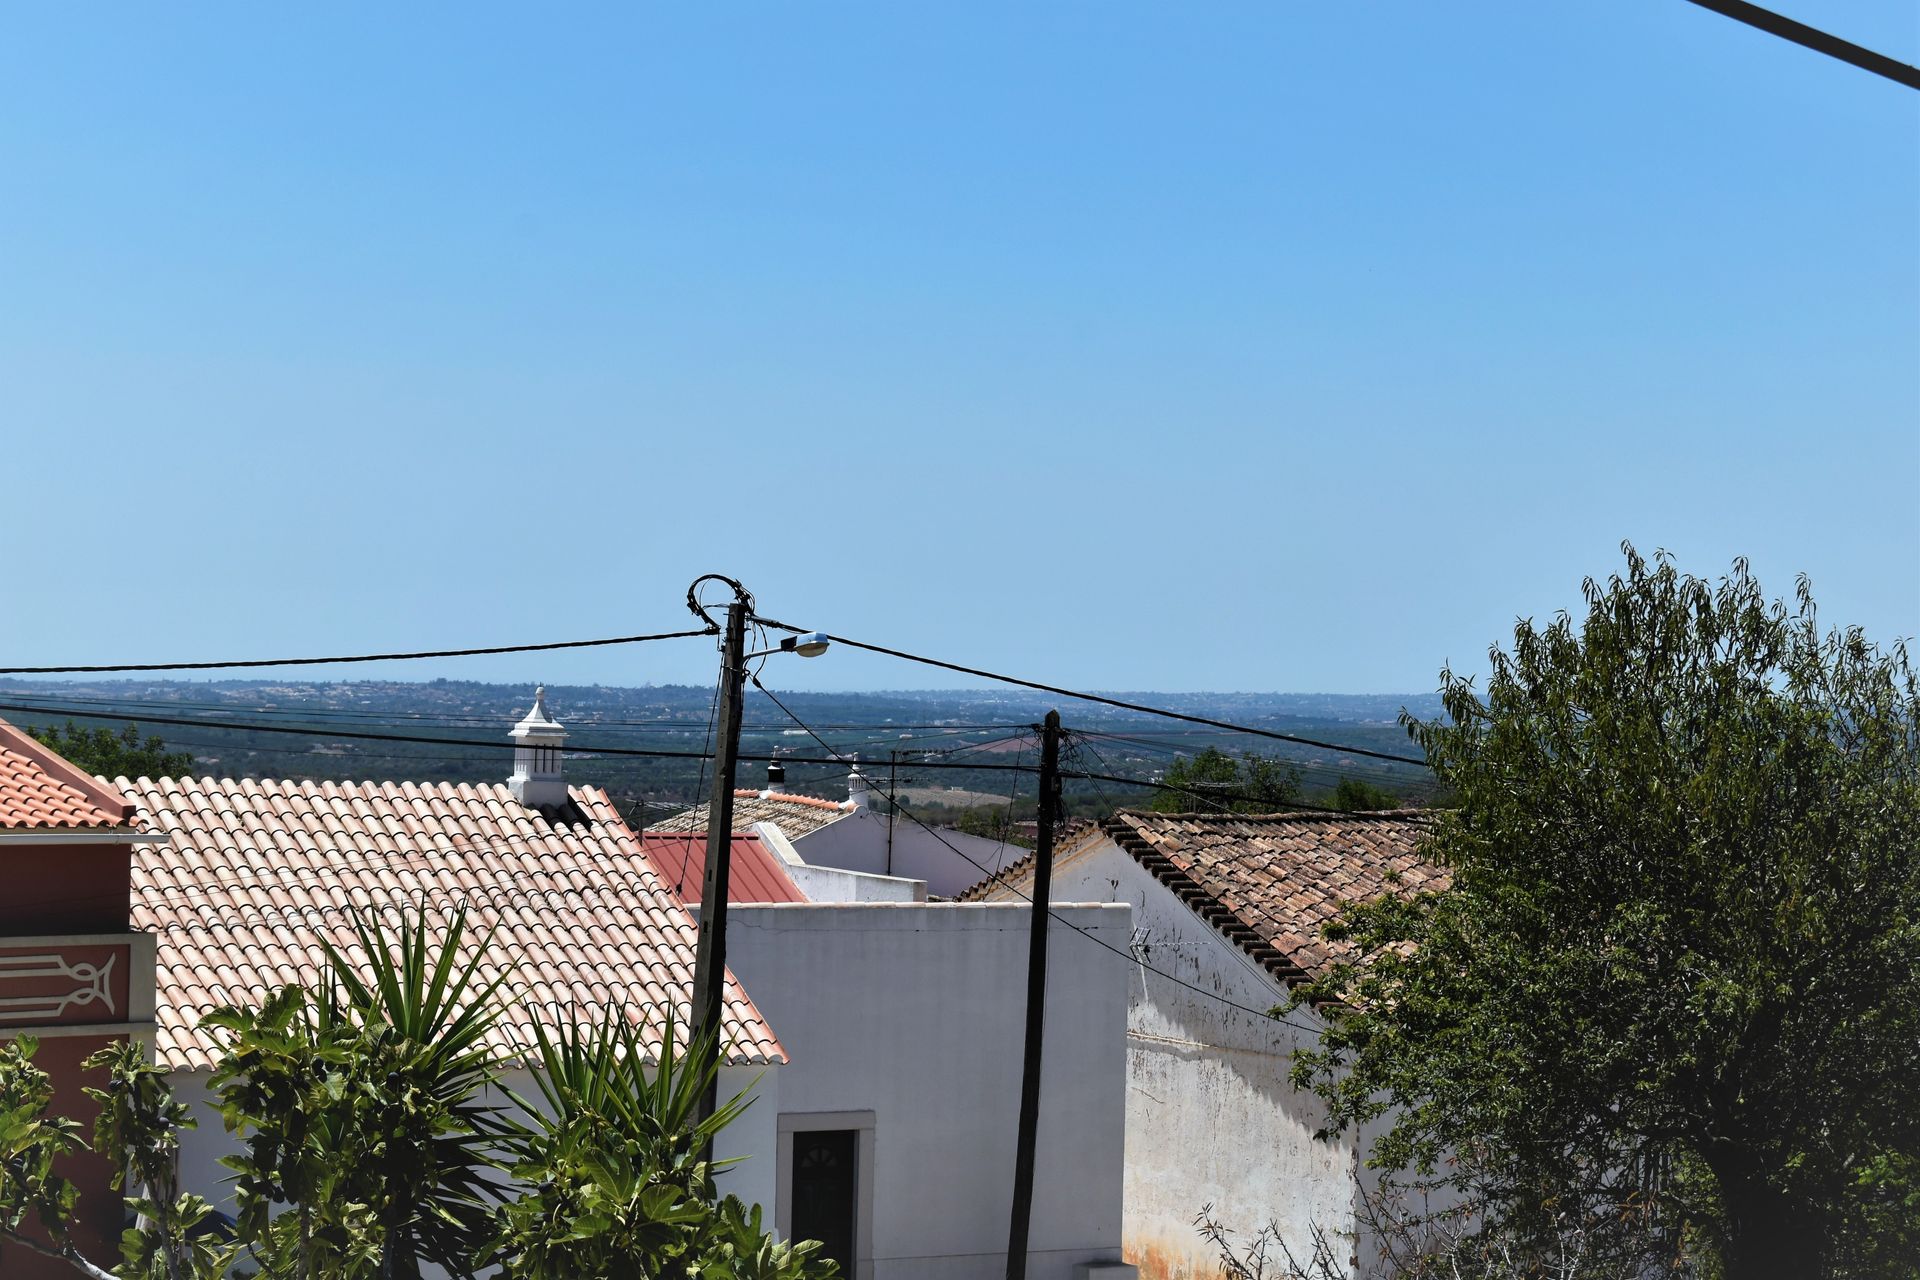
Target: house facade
<point x="1227" y="918"/>
<point x="890" y="1133"/>
<point x="73" y="975"/>
<point x="851" y="835"/>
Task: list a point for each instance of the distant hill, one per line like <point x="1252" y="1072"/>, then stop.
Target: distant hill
<point x="243" y="728"/>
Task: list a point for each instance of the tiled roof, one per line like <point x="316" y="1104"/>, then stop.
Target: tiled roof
<point x="1272" y="882"/>
<point x="794" y="815"/>
<point x="41" y="791"/>
<point x="754" y="874"/>
<point x="254" y="874"/>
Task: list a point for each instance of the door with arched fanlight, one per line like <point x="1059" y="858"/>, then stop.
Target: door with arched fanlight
<point x="825" y="1181"/>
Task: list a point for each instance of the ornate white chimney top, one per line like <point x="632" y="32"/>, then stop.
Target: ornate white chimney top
<point x="537" y="780"/>
<point x="538" y="723"/>
<point x="857" y="794"/>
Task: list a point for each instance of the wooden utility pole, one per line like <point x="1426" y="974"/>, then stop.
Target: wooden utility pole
<point x="893" y="801"/>
<point x="710" y="955"/>
<point x="1049" y="802"/>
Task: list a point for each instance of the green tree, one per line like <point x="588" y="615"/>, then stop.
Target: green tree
<point x="364" y="1108"/>
<point x="1356" y="796"/>
<point x="1672" y="997"/>
<point x="32" y="1193"/>
<point x="622" y="1188"/>
<point x="1214" y="780"/>
<point x="370" y="1150"/>
<point x="138" y="1131"/>
<point x="115" y="755"/>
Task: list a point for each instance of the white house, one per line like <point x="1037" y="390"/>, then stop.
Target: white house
<point x="1228" y="912"/>
<point x="880" y="1040"/>
<point x="851" y="835"/>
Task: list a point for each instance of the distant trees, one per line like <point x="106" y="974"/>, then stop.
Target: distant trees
<point x="1215" y="781"/>
<point x="1671" y="1003"/>
<point x="1357" y="796"/>
<point x="115" y="755"/>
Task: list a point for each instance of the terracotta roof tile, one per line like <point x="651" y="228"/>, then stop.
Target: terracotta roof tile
<point x="1270" y="882"/>
<point x="39" y="790"/>
<point x="794" y="815"/>
<point x="254" y="876"/>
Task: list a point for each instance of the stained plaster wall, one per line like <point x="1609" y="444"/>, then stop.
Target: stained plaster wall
<point x="1211" y="1118"/>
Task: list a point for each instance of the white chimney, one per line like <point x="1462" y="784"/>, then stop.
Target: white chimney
<point x="537" y="781"/>
<point x="857" y="788"/>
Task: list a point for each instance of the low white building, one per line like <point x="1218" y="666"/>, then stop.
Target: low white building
<point x="851" y="835"/>
<point x="880" y="1037"/>
<point x="905" y="1025"/>
<point x="1227" y="917"/>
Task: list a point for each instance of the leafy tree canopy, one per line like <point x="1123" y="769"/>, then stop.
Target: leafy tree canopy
<point x="1672" y="998"/>
<point x="1214" y="780"/>
<point x="1356" y="796"/>
<point x="115" y="755"/>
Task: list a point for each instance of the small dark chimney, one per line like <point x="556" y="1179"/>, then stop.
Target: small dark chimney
<point x="776" y="777"/>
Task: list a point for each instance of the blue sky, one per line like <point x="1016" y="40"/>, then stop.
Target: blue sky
<point x="1239" y="346"/>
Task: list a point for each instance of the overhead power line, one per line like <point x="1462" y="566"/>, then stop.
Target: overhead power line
<point x="1102" y="699"/>
<point x="1813" y="38"/>
<point x="344" y="658"/>
<point x="1128" y="956"/>
<point x="491" y="744"/>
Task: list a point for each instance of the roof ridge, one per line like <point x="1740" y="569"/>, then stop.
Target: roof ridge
<point x="1282" y="815"/>
<point x="787" y="797"/>
<point x="63" y="772"/>
<point x="1206" y="904"/>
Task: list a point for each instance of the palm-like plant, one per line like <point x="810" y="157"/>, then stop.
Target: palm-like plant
<point x="364" y="1110"/>
<point x="429" y="1139"/>
<point x="620" y="1186"/>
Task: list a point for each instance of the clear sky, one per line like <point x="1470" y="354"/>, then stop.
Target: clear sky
<point x="1231" y="346"/>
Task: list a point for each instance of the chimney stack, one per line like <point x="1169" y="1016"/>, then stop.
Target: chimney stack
<point x="537" y="780"/>
<point x="857" y="787"/>
<point x="776" y="778"/>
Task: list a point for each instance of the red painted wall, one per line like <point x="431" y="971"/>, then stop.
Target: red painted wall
<point x="70" y="888"/>
<point x="50" y="889"/>
<point x="99" y="1217"/>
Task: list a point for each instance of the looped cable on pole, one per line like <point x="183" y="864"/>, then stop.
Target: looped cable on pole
<point x="699" y="610"/>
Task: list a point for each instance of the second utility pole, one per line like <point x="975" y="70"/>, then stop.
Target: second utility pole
<point x="1049" y="801"/>
<point x="710" y="953"/>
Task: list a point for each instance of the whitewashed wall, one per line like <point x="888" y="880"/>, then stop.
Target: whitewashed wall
<point x="858" y="842"/>
<point x="916" y="1014"/>
<point x="836" y="884"/>
<point x="752" y="1136"/>
<point x="1211" y="1118"/>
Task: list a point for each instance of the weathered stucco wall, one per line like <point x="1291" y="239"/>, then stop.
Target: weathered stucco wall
<point x="916" y="1014"/>
<point x="1211" y="1119"/>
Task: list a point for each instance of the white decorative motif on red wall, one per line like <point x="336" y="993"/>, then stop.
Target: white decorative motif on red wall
<point x="90" y="986"/>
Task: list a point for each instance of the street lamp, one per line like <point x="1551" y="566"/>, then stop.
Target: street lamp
<point x="808" y="645"/>
<point x="710" y="952"/>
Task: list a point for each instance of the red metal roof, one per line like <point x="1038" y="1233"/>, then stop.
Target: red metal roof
<point x="41" y="791"/>
<point x="756" y="874"/>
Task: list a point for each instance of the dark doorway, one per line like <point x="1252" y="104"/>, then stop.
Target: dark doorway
<point x="825" y="1183"/>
